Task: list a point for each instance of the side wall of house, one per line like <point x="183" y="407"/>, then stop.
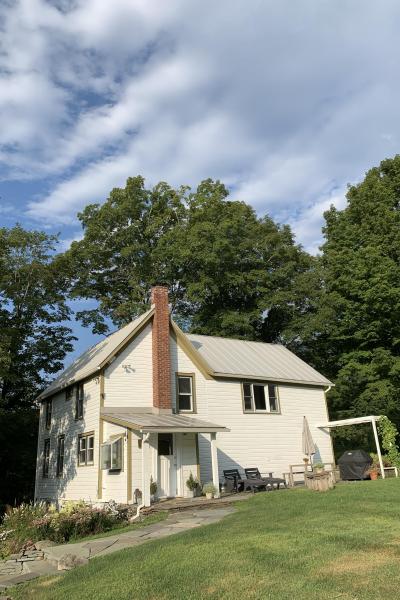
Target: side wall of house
<point x="77" y="482"/>
<point x="268" y="441"/>
<point x="128" y="381"/>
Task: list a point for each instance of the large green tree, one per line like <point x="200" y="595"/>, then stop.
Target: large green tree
<point x="229" y="271"/>
<point x="351" y="329"/>
<point x="33" y="343"/>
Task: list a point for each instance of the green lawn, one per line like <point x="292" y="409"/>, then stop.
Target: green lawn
<point x="295" y="544"/>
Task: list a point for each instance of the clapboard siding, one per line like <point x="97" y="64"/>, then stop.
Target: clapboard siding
<point x="128" y="381"/>
<point x="115" y="483"/>
<point x="268" y="441"/>
<point x="77" y="482"/>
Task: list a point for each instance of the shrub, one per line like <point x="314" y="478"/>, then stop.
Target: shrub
<point x="17" y="526"/>
<point x="192" y="483"/>
<point x="30" y="523"/>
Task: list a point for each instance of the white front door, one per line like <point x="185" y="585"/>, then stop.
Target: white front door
<point x="166" y="466"/>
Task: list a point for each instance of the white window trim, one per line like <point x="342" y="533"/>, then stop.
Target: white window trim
<point x="86" y="436"/>
<point x="267" y="409"/>
<point x="110" y="443"/>
<point x="191" y="395"/>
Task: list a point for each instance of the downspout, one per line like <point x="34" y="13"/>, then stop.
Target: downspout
<point x="145" y="437"/>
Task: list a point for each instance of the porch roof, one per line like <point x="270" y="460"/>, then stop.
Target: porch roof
<point x="146" y="421"/>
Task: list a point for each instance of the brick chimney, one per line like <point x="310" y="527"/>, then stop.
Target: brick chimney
<point x="161" y="351"/>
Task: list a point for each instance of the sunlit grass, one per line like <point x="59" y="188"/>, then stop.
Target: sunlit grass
<point x="297" y="544"/>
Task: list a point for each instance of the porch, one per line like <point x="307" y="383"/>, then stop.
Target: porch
<point x="159" y="448"/>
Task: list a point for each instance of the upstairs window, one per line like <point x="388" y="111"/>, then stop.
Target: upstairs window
<point x="185" y="393"/>
<point x="69" y="392"/>
<point x="47" y="411"/>
<point x="79" y="395"/>
<point x="259" y="397"/>
<point x="46" y="458"/>
<point x="85" y="449"/>
<point x="60" y="455"/>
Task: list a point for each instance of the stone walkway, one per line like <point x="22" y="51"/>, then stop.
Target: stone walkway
<point x="46" y="560"/>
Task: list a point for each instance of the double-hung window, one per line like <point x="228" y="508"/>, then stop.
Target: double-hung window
<point x="79" y="395"/>
<point x="260" y="397"/>
<point x="85" y="449"/>
<point x="46" y="458"/>
<point x="48" y="408"/>
<point x="185" y="398"/>
<point x="60" y="455"/>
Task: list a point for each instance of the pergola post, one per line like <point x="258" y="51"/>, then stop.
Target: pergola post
<point x="214" y="462"/>
<point x="378" y="448"/>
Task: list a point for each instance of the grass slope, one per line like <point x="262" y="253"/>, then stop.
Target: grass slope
<point x="344" y="544"/>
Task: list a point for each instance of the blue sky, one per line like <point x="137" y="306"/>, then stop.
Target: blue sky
<point x="286" y="102"/>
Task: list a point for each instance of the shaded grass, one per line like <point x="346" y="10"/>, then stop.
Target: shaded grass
<point x="148" y="520"/>
<point x="344" y="544"/>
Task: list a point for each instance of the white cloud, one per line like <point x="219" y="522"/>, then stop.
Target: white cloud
<point x="282" y="101"/>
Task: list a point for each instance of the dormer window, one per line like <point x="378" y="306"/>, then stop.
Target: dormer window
<point x="260" y="397"/>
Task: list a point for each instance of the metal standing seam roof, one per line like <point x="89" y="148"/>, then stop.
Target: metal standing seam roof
<point x="225" y="357"/>
<point x="92" y="359"/>
<point x="241" y="358"/>
<point x="147" y="421"/>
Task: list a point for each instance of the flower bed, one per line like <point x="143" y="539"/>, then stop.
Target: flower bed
<point x="32" y="522"/>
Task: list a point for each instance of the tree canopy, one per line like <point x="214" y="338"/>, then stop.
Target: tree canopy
<point x="34" y="341"/>
<point x="351" y="329"/>
<point x="229" y="271"/>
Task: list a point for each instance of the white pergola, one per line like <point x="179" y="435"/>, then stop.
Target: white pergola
<point x="358" y="421"/>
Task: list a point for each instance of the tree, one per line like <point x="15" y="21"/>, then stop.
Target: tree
<point x="353" y="327"/>
<point x="229" y="272"/>
<point x="33" y="344"/>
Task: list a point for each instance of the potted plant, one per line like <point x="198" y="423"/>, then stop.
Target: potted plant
<point x="318" y="467"/>
<point x="153" y="489"/>
<point x="192" y="484"/>
<point x="373" y="470"/>
<point x="209" y="490"/>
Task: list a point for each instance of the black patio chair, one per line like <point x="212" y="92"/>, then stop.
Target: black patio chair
<point x="235" y="481"/>
<point x="254" y="473"/>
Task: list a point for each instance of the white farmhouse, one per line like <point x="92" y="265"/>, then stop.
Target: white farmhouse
<point x="150" y="401"/>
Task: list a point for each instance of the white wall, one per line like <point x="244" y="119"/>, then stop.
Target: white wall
<point x="115" y="483"/>
<point x="268" y="441"/>
<point x="77" y="482"/>
<point x="128" y="381"/>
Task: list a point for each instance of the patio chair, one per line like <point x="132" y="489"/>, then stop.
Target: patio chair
<point x="254" y="473"/>
<point x="238" y="484"/>
<point x="233" y="480"/>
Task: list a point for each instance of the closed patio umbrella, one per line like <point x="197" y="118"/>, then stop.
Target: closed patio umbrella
<point x="308" y="442"/>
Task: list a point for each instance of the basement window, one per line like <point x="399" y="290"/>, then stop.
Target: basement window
<point x="260" y="397"/>
<point x="112" y="454"/>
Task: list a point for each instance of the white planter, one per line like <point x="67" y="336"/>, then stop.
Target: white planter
<point x="209" y="495"/>
<point x="189" y="493"/>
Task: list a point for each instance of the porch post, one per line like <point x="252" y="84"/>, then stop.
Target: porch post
<point x="378" y="448"/>
<point x="145" y="470"/>
<point x="214" y="462"/>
